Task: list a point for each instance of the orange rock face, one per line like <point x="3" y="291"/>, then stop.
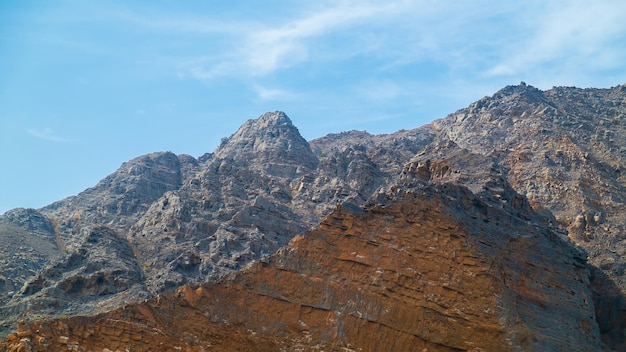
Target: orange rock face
<point x="435" y="270"/>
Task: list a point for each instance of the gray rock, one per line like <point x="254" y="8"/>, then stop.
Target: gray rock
<point x="559" y="153"/>
<point x="93" y="278"/>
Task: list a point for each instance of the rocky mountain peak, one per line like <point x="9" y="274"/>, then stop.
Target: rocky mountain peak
<point x="270" y="138"/>
<point x="275" y="118"/>
<point x="510" y="100"/>
<point x="466" y="220"/>
<point x="519" y="89"/>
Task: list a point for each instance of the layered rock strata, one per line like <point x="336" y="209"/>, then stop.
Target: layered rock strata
<point x="564" y="149"/>
<point x="558" y="153"/>
<point x="435" y="269"/>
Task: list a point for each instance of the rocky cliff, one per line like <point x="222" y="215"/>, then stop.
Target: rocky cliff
<point x="564" y="149"/>
<point x="549" y="163"/>
<point x="85" y="281"/>
<point x="191" y="220"/>
<point x="28" y="244"/>
<point x="436" y="269"/>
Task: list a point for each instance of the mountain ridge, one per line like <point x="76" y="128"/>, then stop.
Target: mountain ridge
<point x="556" y="154"/>
<point x="356" y="283"/>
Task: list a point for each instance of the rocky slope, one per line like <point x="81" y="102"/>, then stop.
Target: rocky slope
<point x="120" y="199"/>
<point x="28" y="244"/>
<point x="191" y="220"/>
<point x="565" y="150"/>
<point x="551" y="160"/>
<point x="436" y="269"/>
<point x="85" y="281"/>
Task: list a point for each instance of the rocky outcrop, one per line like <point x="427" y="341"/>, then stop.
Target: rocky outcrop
<point x="548" y="162"/>
<point x="271" y="143"/>
<point x="436" y="268"/>
<point x="561" y="150"/>
<point x="564" y="149"/>
<point x="389" y="151"/>
<point x="239" y="207"/>
<point x="22" y="256"/>
<point x="121" y="198"/>
<point x="261" y="187"/>
<point x="92" y="279"/>
<point x="356" y="165"/>
<point x="191" y="220"/>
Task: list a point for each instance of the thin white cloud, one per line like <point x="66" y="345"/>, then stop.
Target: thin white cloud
<point x="266" y="93"/>
<point x="265" y="48"/>
<point x="487" y="41"/>
<point x="567" y="39"/>
<point x="206" y="68"/>
<point x="403" y="31"/>
<point x="286" y="45"/>
<point x="46" y="134"/>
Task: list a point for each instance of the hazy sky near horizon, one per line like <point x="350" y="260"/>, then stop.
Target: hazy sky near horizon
<point x="87" y="85"/>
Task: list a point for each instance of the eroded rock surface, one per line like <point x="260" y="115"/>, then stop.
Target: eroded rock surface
<point x="564" y="149"/>
<point x="191" y="220"/>
<point x="28" y="241"/>
<point x="436" y="269"/>
<point x="550" y="160"/>
<point x="94" y="278"/>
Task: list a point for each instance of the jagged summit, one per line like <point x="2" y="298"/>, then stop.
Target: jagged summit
<point x="271" y="138"/>
<point x="542" y="165"/>
<point x="274" y="118"/>
<point x="510" y="99"/>
<point x="521" y="88"/>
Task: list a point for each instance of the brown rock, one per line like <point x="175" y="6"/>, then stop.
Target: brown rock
<point x="549" y="158"/>
<point x="436" y="269"/>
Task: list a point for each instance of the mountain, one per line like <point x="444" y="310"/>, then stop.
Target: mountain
<point x="28" y="243"/>
<point x="532" y="181"/>
<point x="564" y="150"/>
<point x="191" y="220"/>
<point x="435" y="269"/>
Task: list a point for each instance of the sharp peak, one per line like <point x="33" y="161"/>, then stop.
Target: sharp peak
<point x="276" y="120"/>
<point x="520" y="88"/>
<point x="276" y="117"/>
<point x="510" y="92"/>
<point x="270" y="130"/>
<point x="269" y="120"/>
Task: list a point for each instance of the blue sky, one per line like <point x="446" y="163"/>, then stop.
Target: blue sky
<point x="87" y="85"/>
